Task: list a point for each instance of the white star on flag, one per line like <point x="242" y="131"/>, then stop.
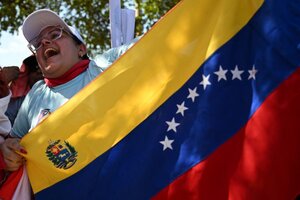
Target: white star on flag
<point x="236" y="73"/>
<point x="167" y="143"/>
<point x="205" y="81"/>
<point x="252" y="73"/>
<point x="193" y="94"/>
<point x="221" y="73"/>
<point x="172" y="125"/>
<point x="181" y="108"/>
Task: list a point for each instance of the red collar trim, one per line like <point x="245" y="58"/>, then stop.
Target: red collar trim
<point x="77" y="69"/>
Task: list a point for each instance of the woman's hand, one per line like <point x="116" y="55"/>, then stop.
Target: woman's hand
<point x="12" y="159"/>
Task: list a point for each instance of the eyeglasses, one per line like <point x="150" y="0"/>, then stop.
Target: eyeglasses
<point x="52" y="35"/>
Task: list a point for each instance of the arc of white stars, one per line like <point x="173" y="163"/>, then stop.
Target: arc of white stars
<point x="252" y="73"/>
<point x="236" y="73"/>
<point x="193" y="94"/>
<point x="221" y="74"/>
<point x="167" y="143"/>
<point x="172" y="125"/>
<point x="205" y="81"/>
<point x="181" y="108"/>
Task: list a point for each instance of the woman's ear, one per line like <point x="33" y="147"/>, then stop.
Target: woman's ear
<point x="82" y="50"/>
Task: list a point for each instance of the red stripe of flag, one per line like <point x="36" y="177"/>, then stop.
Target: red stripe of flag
<point x="9" y="187"/>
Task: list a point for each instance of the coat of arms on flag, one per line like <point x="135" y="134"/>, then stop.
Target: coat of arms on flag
<point x="62" y="155"/>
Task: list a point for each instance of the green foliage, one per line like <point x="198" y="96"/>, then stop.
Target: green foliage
<point x="91" y="17"/>
<point x="150" y="12"/>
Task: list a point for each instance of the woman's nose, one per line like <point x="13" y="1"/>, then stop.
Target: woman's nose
<point x="46" y="41"/>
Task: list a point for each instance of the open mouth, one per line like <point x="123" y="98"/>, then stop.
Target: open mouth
<point x="50" y="52"/>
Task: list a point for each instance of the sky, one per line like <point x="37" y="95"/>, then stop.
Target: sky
<point x="13" y="49"/>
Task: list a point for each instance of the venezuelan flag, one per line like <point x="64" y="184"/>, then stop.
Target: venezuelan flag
<point x="204" y="106"/>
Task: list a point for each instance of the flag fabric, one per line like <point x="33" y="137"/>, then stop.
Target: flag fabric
<point x="16" y="186"/>
<point x="204" y="106"/>
<point x="23" y="189"/>
<point x="9" y="187"/>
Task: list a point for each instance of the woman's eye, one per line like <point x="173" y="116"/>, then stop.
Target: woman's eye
<point x="54" y="35"/>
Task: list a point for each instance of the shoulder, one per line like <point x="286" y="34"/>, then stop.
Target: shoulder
<point x="34" y="93"/>
<point x="38" y="85"/>
<point x="94" y="69"/>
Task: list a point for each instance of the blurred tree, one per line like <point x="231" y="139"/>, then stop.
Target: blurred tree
<point x="91" y="17"/>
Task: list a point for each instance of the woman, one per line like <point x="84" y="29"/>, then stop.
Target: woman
<point x="62" y="57"/>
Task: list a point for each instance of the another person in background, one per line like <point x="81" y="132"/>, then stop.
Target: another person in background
<point x="7" y="75"/>
<point x="29" y="74"/>
<point x="5" y="95"/>
<point x="62" y="57"/>
<point x="9" y="182"/>
<point x="5" y="125"/>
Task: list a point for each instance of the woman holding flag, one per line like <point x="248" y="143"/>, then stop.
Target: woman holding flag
<point x="62" y="57"/>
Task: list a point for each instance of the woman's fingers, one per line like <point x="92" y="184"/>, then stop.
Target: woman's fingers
<point x="12" y="159"/>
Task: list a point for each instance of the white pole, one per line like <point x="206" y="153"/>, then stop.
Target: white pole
<point x="115" y="23"/>
<point x="128" y="24"/>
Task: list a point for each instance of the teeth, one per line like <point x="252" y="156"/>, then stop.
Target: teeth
<point x="50" y="52"/>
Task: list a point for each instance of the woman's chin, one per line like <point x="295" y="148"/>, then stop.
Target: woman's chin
<point x="50" y="71"/>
